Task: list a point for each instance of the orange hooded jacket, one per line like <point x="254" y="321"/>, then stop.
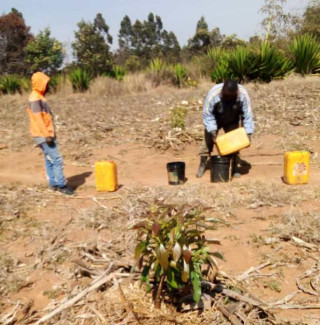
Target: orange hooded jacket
<point x="41" y="119"/>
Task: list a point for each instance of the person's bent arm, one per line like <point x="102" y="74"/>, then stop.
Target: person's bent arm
<point x="209" y="120"/>
<point x="248" y="123"/>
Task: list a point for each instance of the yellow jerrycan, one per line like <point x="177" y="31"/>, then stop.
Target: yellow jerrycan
<point x="232" y="141"/>
<point x="296" y="167"/>
<point x="106" y="176"/>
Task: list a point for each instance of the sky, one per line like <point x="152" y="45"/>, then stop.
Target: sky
<point x="239" y="17"/>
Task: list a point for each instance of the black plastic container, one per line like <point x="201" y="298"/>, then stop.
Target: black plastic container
<point x="176" y="172"/>
<point x="221" y="168"/>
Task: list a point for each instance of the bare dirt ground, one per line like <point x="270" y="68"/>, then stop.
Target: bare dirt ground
<point x="47" y="239"/>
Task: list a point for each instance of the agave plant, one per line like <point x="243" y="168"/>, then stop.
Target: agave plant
<point x="157" y="65"/>
<point x="80" y="80"/>
<point x="10" y="84"/>
<point x="219" y="59"/>
<point x="159" y="72"/>
<point x="306" y="54"/>
<point x="119" y="72"/>
<point x="180" y="74"/>
<point x="238" y="63"/>
<point x="268" y="63"/>
<point x="172" y="249"/>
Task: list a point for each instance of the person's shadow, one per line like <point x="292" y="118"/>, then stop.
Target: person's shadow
<point x="77" y="180"/>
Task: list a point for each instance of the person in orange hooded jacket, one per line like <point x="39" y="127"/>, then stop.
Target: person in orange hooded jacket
<point x="43" y="131"/>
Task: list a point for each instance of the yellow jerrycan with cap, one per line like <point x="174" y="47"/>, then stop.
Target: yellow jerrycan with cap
<point x="232" y="141"/>
<point x="296" y="167"/>
<point x="106" y="176"/>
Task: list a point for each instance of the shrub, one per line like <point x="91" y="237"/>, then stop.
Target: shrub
<point x="171" y="247"/>
<point x="180" y="75"/>
<point x="267" y="63"/>
<point x="119" y="72"/>
<point x="159" y="72"/>
<point x="219" y="59"/>
<point x="80" y="80"/>
<point x="239" y="63"/>
<point x="10" y="84"/>
<point x="178" y="115"/>
<point x="306" y="54"/>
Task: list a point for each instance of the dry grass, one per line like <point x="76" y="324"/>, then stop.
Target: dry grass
<point x="305" y="226"/>
<point x="132" y="111"/>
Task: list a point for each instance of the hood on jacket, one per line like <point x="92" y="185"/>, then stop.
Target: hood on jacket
<point x="39" y="82"/>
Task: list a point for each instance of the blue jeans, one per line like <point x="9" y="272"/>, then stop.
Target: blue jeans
<point x="54" y="164"/>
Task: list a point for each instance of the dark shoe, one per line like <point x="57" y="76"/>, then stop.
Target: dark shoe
<point x="65" y="190"/>
<point x="202" y="167"/>
<point x="53" y="188"/>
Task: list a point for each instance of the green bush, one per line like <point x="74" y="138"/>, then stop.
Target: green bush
<point x="119" y="72"/>
<point x="239" y="63"/>
<point x="180" y="75"/>
<point x="10" y="84"/>
<point x="267" y="63"/>
<point x="172" y="250"/>
<point x="159" y="72"/>
<point x="219" y="59"/>
<point x="305" y="50"/>
<point x="80" y="80"/>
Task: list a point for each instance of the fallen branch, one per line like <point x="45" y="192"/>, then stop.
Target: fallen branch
<point x="244" y="275"/>
<point x="127" y="304"/>
<point x="240" y="297"/>
<point x="309" y="273"/>
<point x="297" y="307"/>
<point x="284" y="300"/>
<point x="304" y="244"/>
<point x="234" y="320"/>
<point x="105" y="278"/>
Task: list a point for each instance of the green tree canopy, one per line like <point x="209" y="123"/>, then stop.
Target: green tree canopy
<point x="91" y="47"/>
<point x="14" y="37"/>
<point x="147" y="40"/>
<point x="44" y="53"/>
<point x="310" y="23"/>
<point x="203" y="39"/>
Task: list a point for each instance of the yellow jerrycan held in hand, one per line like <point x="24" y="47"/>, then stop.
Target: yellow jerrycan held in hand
<point x="106" y="176"/>
<point x="296" y="167"/>
<point x="232" y="141"/>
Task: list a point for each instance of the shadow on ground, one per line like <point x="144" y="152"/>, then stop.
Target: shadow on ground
<point x="77" y="180"/>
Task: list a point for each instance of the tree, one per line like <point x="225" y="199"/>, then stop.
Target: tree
<point x="204" y="39"/>
<point x="44" y="53"/>
<point x="14" y="37"/>
<point x="146" y="40"/>
<point x="201" y="40"/>
<point x="170" y="48"/>
<point x="125" y="34"/>
<point x="91" y="48"/>
<point x="232" y="41"/>
<point x="277" y="24"/>
<point x="310" y="23"/>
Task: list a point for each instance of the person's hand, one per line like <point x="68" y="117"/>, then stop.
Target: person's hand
<point x="214" y="136"/>
<point x="50" y="141"/>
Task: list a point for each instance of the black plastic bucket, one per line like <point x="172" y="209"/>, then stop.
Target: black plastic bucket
<point x="176" y="172"/>
<point x="221" y="168"/>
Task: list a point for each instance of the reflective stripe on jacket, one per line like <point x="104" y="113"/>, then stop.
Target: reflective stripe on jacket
<point x="41" y="119"/>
